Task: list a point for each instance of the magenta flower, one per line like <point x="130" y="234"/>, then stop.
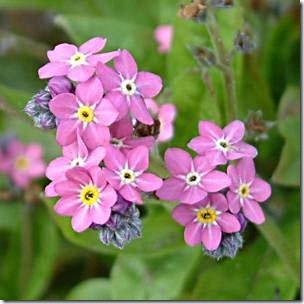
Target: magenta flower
<point x="77" y="64"/>
<point x="163" y="35"/>
<point x="122" y="136"/>
<point x="126" y="173"/>
<point x="87" y="112"/>
<point x="247" y="190"/>
<point x="205" y="221"/>
<point x="222" y="145"/>
<point x="23" y="163"/>
<point x="86" y="196"/>
<point x="191" y="180"/>
<point x="74" y="155"/>
<point x="165" y="113"/>
<point x="126" y="87"/>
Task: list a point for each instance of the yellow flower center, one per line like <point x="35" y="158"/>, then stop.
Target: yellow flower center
<point x="21" y="163"/>
<point x="244" y="190"/>
<point x="89" y="195"/>
<point x="77" y="59"/>
<point x="206" y="215"/>
<point x="85" y="114"/>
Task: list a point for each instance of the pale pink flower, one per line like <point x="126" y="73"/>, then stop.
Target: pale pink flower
<point x="87" y="112"/>
<point x="126" y="87"/>
<point x="247" y="191"/>
<point x="126" y="173"/>
<point x="222" y="145"/>
<point x="166" y="114"/>
<point x="190" y="180"/>
<point x="74" y="155"/>
<point x="86" y="197"/>
<point x="205" y="221"/>
<point x="163" y="35"/>
<point x="78" y="64"/>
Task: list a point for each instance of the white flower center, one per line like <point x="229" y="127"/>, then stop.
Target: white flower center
<point x="244" y="190"/>
<point x="128" y="87"/>
<point x="127" y="176"/>
<point x="77" y="162"/>
<point x="117" y="143"/>
<point x="193" y="179"/>
<point x="77" y="59"/>
<point x="223" y="145"/>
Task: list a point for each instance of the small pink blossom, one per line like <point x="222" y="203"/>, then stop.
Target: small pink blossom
<point x="74" y="155"/>
<point x="205" y="221"/>
<point x="163" y="35"/>
<point x="247" y="191"/>
<point x="86" y="197"/>
<point x="222" y="145"/>
<point x="87" y="112"/>
<point x="190" y="180"/>
<point x="165" y="113"/>
<point x="23" y="163"/>
<point x="126" y="173"/>
<point x="127" y="88"/>
<point x="78" y="64"/>
<point x="122" y="136"/>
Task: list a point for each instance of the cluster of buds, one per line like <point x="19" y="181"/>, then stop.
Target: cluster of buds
<point x="21" y="163"/>
<point x="107" y="122"/>
<point x="215" y="205"/>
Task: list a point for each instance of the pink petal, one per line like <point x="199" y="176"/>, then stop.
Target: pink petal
<point x="166" y="132"/>
<point x="233" y="202"/>
<point x="125" y="64"/>
<point x="178" y="161"/>
<point x="235" y="131"/>
<point x="138" y="159"/>
<point x="115" y="160"/>
<point x="100" y="214"/>
<point x="192" y="195"/>
<point x="122" y="128"/>
<point x="152" y="106"/>
<point x="148" y="182"/>
<point x="253" y="212"/>
<point x="64" y="105"/>
<point x="67" y="206"/>
<point x="90" y="92"/>
<point x="79" y="176"/>
<point x="21" y="180"/>
<point x="167" y="112"/>
<point x="93" y="45"/>
<point x="246" y="169"/>
<point x="108" y="197"/>
<point x="183" y="214"/>
<point x="53" y="69"/>
<point x="211" y="237"/>
<point x="215" y="181"/>
<point x="148" y="84"/>
<point x="34" y="151"/>
<point x="240" y="150"/>
<point x="49" y="190"/>
<point x="163" y="35"/>
<point x="105" y="112"/>
<point x="66" y="188"/>
<point x="260" y="190"/>
<point x="218" y="201"/>
<point x="81" y="73"/>
<point x="109" y="78"/>
<point x="95" y="157"/>
<point x="210" y="130"/>
<point x="37" y="169"/>
<point x="147" y="141"/>
<point x="61" y="52"/>
<point x="76" y="149"/>
<point x="171" y="189"/>
<point x="234" y="177"/>
<point x="82" y="219"/>
<point x="201" y="144"/>
<point x="97" y="176"/>
<point x="192" y="233"/>
<point x="102" y="58"/>
<point x="216" y="157"/>
<point x="112" y="178"/>
<point x="131" y="194"/>
<point x="119" y="102"/>
<point x="202" y="165"/>
<point x="139" y="110"/>
<point x="57" y="167"/>
<point x="66" y="132"/>
<point x="96" y="135"/>
<point x="228" y="222"/>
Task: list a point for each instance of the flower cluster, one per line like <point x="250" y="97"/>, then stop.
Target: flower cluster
<point x="21" y="163"/>
<point x="100" y="113"/>
<point x="215" y="205"/>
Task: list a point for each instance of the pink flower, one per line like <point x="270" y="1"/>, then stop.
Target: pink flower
<point x="163" y="35"/>
<point x="191" y="180"/>
<point x="206" y="220"/>
<point x="126" y="87"/>
<point x="77" y="64"/>
<point x="86" y="112"/>
<point x="222" y="145"/>
<point x="165" y="113"/>
<point x="74" y="155"/>
<point x="85" y="196"/>
<point x="126" y="173"/>
<point x="247" y="190"/>
<point x="23" y="163"/>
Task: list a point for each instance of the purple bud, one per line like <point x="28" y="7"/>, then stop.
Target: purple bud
<point x="31" y="108"/>
<point x="45" y="121"/>
<point x="58" y="85"/>
<point x="121" y="206"/>
<point x="243" y="221"/>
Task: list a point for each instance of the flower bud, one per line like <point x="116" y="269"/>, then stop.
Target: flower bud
<point x="58" y="85"/>
<point x="222" y="3"/>
<point x="203" y="56"/>
<point x="243" y="43"/>
<point x="196" y="10"/>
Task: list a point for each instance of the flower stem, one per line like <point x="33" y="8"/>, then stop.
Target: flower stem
<point x="224" y="63"/>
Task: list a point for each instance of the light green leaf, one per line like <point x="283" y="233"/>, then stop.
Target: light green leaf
<point x="8" y="211"/>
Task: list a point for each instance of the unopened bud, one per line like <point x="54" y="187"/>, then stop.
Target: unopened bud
<point x="196" y="10"/>
<point x="243" y="43"/>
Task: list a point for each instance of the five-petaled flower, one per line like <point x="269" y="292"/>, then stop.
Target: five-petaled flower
<point x="247" y="191"/>
<point x="205" y="221"/>
<point x="190" y="180"/>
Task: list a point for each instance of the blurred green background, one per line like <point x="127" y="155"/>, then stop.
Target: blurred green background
<point x="42" y="258"/>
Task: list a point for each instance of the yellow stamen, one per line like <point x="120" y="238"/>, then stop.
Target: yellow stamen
<point x="85" y="114"/>
<point x="206" y="215"/>
<point x="89" y="195"/>
<point x="21" y="163"/>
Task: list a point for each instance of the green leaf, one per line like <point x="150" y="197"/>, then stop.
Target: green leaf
<point x="90" y="290"/>
<point x="9" y="211"/>
<point x="288" y="170"/>
<point x="161" y="278"/>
